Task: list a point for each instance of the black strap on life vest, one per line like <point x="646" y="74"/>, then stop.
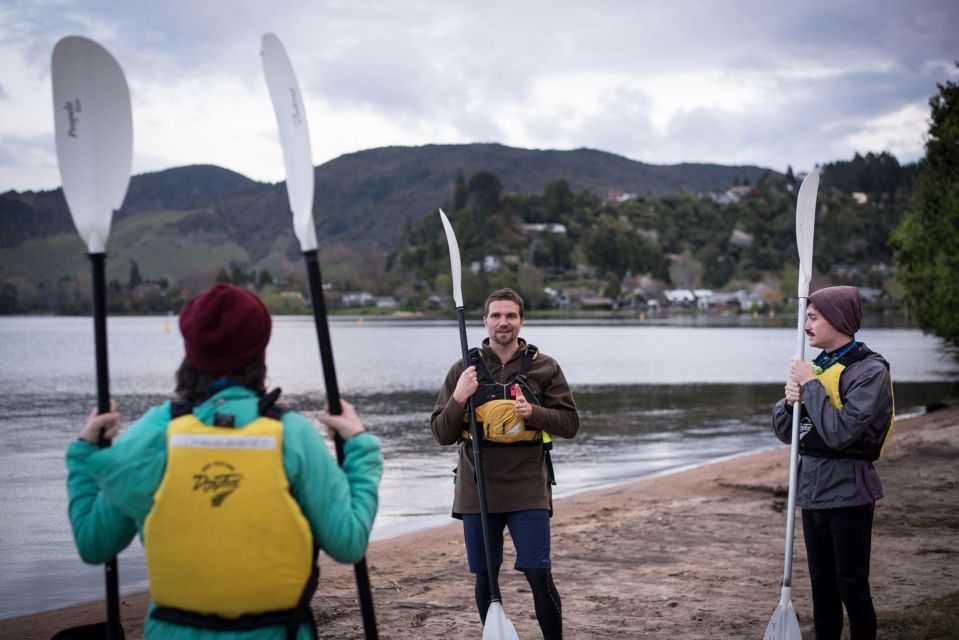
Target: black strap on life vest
<point x="291" y="619"/>
<point x="486" y="376"/>
<point x="522" y="378"/>
<point x="266" y="407"/>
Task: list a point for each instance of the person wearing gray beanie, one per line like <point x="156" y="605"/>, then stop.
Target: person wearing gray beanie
<point x="846" y="403"/>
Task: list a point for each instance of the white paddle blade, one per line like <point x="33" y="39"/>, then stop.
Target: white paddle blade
<point x="294" y="137"/>
<point x="456" y="267"/>
<point x="498" y="626"/>
<point x="93" y="125"/>
<point x="805" y="225"/>
<point x="784" y="625"/>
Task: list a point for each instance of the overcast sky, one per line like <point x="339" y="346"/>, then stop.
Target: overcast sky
<point x="763" y="82"/>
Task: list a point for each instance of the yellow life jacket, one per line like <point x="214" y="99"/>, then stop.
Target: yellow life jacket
<point x="811" y="443"/>
<point x="224" y="537"/>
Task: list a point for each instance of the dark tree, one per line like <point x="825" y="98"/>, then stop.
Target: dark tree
<point x="485" y="190"/>
<point x="134" y="278"/>
<point x="927" y="238"/>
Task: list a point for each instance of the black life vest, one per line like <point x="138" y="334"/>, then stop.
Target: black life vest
<point x="494" y="401"/>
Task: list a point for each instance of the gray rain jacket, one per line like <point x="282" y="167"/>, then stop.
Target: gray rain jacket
<point x="833" y="482"/>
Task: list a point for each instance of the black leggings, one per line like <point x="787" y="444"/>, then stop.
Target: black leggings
<point x="549" y="608"/>
<point x="838" y="546"/>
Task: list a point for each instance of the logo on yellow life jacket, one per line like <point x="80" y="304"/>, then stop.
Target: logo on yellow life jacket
<point x="221" y="484"/>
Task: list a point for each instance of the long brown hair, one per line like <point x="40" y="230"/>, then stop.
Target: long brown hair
<point x="194" y="384"/>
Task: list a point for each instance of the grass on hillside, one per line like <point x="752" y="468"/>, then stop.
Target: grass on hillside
<point x="143" y="238"/>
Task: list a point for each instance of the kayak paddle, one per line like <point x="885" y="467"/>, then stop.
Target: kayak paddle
<point x="784" y="625"/>
<point x="295" y="139"/>
<point x="93" y="126"/>
<point x="497" y="625"/>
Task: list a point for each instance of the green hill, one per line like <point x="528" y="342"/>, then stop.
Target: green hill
<point x="184" y="224"/>
<point x="32" y="215"/>
<point x="369" y="195"/>
<point x="373" y="194"/>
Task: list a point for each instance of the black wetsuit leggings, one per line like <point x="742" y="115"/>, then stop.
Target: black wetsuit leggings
<point x="546" y="602"/>
<point x="838" y="545"/>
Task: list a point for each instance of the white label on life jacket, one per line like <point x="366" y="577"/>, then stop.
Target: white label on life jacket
<point x="222" y="442"/>
<point x="516" y="428"/>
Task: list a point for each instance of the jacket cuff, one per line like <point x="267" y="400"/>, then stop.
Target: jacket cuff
<point x="81" y="449"/>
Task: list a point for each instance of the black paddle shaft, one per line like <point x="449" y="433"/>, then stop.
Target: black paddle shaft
<point x="478" y="463"/>
<point x="333" y="400"/>
<point x="97" y="262"/>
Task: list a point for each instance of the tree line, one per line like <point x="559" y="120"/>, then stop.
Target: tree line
<point x="716" y="240"/>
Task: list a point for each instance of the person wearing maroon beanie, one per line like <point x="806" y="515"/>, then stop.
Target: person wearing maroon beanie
<point x="224" y="328"/>
<point x="233" y="496"/>
<point x="846" y="403"/>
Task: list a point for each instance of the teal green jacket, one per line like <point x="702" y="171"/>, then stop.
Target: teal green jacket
<point x="111" y="491"/>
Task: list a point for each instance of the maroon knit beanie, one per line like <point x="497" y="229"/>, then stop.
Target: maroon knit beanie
<point x="224" y="328"/>
<point x="841" y="307"/>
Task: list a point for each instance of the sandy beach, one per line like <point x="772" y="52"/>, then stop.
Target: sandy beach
<point x="694" y="554"/>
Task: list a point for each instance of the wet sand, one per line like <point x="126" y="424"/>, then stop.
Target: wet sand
<point x="694" y="554"/>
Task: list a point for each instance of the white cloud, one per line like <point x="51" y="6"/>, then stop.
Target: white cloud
<point x="894" y="132"/>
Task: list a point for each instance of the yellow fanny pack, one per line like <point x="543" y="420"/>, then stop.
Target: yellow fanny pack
<point x="499" y="422"/>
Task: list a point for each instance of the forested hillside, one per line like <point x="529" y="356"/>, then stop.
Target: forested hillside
<point x="727" y="238"/>
<point x="618" y="221"/>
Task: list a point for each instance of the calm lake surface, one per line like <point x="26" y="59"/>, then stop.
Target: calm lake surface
<point x="652" y="398"/>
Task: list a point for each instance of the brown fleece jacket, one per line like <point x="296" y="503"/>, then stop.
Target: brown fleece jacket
<point x="516" y="476"/>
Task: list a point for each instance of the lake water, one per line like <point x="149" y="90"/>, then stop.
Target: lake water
<point x="652" y="398"/>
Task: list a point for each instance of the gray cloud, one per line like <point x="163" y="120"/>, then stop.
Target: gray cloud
<point x="826" y="68"/>
<point x="18" y="150"/>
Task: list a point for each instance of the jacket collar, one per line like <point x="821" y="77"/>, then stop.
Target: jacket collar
<point x="489" y="354"/>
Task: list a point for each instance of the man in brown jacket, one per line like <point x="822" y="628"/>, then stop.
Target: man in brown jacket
<point x="522" y="401"/>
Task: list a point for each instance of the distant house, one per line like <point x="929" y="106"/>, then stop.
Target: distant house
<point x="490" y="264"/>
<point x="597" y="302"/>
<point x="616" y="195"/>
<point x="682" y="297"/>
<point x="544" y="227"/>
<point x="740" y="238"/>
<point x="386" y="302"/>
<point x="293" y="295"/>
<point x="357" y="299"/>
<point x="731" y="195"/>
<point x="704" y="298"/>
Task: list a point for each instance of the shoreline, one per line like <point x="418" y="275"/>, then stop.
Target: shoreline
<point x="692" y="553"/>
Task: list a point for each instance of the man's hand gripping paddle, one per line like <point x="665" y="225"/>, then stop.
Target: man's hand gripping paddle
<point x="784" y="625"/>
<point x="497" y="626"/>
<point x="93" y="125"/>
<point x="295" y="139"/>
